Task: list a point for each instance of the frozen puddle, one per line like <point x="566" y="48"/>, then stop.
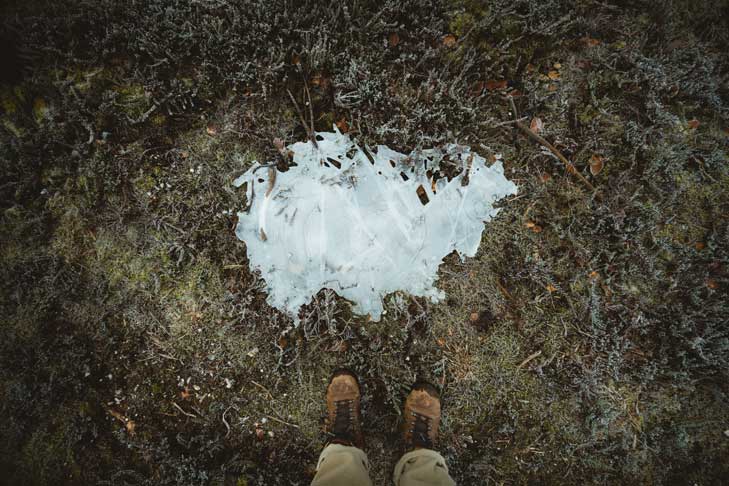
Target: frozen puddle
<point x="364" y="224"/>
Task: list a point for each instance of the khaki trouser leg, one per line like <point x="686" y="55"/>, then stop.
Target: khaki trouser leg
<point x="422" y="467"/>
<point x="341" y="465"/>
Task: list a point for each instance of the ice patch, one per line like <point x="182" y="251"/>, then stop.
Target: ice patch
<point x="362" y="224"/>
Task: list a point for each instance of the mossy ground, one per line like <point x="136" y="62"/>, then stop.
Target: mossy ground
<point x="587" y="341"/>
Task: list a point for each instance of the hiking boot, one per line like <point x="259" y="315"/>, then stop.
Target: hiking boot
<point x="422" y="417"/>
<point x="343" y="417"/>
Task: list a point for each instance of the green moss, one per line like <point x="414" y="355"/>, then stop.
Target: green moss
<point x="40" y="110"/>
<point x="8" y="101"/>
<point x="132" y="100"/>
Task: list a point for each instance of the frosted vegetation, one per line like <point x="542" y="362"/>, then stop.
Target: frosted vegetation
<point x="364" y="223"/>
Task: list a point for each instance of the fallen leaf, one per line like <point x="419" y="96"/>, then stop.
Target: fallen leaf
<point x="342" y="125"/>
<point x="449" y="40"/>
<point x="533" y="226"/>
<point x="551" y="288"/>
<point x="211" y="130"/>
<point x="474" y="316"/>
<point x="699" y="245"/>
<point x="545" y="177"/>
<point x="552" y="87"/>
<point x="131" y="425"/>
<point x="393" y="39"/>
<point x="536" y="125"/>
<point x="692" y="124"/>
<point x="553" y="75"/>
<point x="440" y="341"/>
<point x="593" y="274"/>
<point x="712" y="284"/>
<point x="596" y="164"/>
<point x="530" y="68"/>
<point x="117" y="415"/>
<point x="260" y="434"/>
<point x="296" y="59"/>
<point x="557" y="65"/>
<point x="493" y="85"/>
<point x="589" y="41"/>
<point x="185" y="393"/>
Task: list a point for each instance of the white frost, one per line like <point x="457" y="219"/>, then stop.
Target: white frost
<point x="336" y="220"/>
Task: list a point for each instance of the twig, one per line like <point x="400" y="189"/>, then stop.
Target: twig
<point x="226" y="422"/>
<point x="311" y="105"/>
<point x="529" y="358"/>
<point x="264" y="389"/>
<point x="570" y="167"/>
<point x="282" y="421"/>
<point x="181" y="410"/>
<point x="301" y="119"/>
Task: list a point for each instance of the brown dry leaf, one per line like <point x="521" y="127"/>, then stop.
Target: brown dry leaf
<point x="545" y="177"/>
<point x="211" y="130"/>
<point x="449" y="40"/>
<point x="440" y="341"/>
<point x="553" y="75"/>
<point x="693" y="124"/>
<point x="726" y="131"/>
<point x="283" y="341"/>
<point x="712" y="284"/>
<point x="185" y="393"/>
<point x="474" y="316"/>
<point x="536" y="125"/>
<point x="533" y="226"/>
<point x="589" y="41"/>
<point x="393" y="39"/>
<point x="557" y="65"/>
<point x="117" y="415"/>
<point x="131" y="425"/>
<point x="593" y="275"/>
<point x="596" y="164"/>
<point x="342" y="125"/>
<point x="699" y="245"/>
<point x="260" y="434"/>
<point x="552" y="87"/>
<point x="530" y="68"/>
<point x="551" y="288"/>
<point x="296" y="59"/>
<point x="493" y="85"/>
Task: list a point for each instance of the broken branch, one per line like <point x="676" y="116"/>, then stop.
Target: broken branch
<point x="540" y="140"/>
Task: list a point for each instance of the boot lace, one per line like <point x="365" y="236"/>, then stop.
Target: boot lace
<point x="344" y="420"/>
<point x="420" y="431"/>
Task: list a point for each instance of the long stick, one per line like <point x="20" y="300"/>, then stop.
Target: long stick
<point x="303" y="121"/>
<point x="570" y="167"/>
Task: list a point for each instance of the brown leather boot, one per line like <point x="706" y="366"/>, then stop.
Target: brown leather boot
<point x="343" y="421"/>
<point x="422" y="417"/>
